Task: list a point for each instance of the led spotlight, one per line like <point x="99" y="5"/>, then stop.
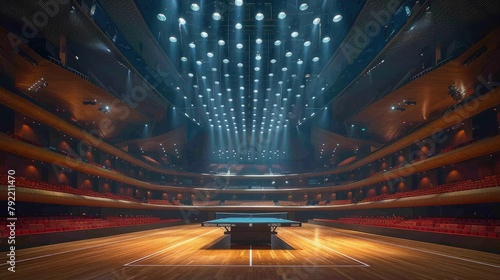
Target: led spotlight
<point x="216" y="16"/>
<point x="161" y="17"/>
<point x="195" y="7"/>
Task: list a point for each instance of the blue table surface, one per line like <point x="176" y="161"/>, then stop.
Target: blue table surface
<point x="249" y="220"/>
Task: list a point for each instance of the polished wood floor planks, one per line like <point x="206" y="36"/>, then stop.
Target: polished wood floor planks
<point x="194" y="252"/>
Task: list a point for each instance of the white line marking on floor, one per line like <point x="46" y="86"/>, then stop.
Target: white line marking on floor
<point x="250" y="255"/>
<point x="168" y="248"/>
<point x="320" y="245"/>
<point x="419" y="250"/>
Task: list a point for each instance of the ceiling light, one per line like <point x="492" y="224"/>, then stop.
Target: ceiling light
<point x="210" y="54"/>
<point x="284" y="69"/>
<point x="204" y="34"/>
<point x="190" y="75"/>
<point x="315" y="59"/>
<point x="238" y="26"/>
<point x="239" y="46"/>
<point x="257" y="69"/>
<point x="221" y="43"/>
<point x="294" y="34"/>
<point x="288" y="54"/>
<point x="326" y="39"/>
<point x="337" y="18"/>
<point x="238" y="3"/>
<point x="195" y="7"/>
<point x="240" y="64"/>
<point x="282" y="15"/>
<point x="259" y="16"/>
<point x="316" y="21"/>
<point x="303" y="6"/>
<point x="198" y="62"/>
<point x="192" y="45"/>
<point x="216" y="16"/>
<point x="273" y="60"/>
<point x="182" y="21"/>
<point x="299" y="62"/>
<point x="184" y="59"/>
<point x="258" y="41"/>
<point x="161" y="17"/>
<point x="225" y="60"/>
<point x="172" y="39"/>
<point x="277" y="42"/>
<point x="307" y="43"/>
<point x="258" y="57"/>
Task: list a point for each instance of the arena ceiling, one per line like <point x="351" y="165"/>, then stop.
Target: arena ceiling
<point x="253" y="68"/>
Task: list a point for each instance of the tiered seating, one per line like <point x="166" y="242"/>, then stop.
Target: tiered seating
<point x="35" y="225"/>
<point x="249" y="203"/>
<point x="206" y="202"/>
<point x="24" y="139"/>
<point x="340" y="202"/>
<point x="292" y="203"/>
<point x="487" y="182"/>
<point x="464" y="226"/>
<point x="32" y="184"/>
<point x="457" y="146"/>
<point x="159" y="201"/>
<point x="176" y="202"/>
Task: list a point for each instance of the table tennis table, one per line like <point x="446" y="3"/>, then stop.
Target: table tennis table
<point x="251" y="228"/>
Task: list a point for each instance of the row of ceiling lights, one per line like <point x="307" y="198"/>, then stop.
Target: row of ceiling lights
<point x="213" y="115"/>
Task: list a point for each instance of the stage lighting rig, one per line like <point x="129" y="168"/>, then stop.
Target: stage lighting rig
<point x="104" y="109"/>
<point x="394" y="108"/>
<point x="456" y="93"/>
<point x="89" y="102"/>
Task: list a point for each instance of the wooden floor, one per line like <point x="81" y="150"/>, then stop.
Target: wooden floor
<point x="194" y="252"/>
